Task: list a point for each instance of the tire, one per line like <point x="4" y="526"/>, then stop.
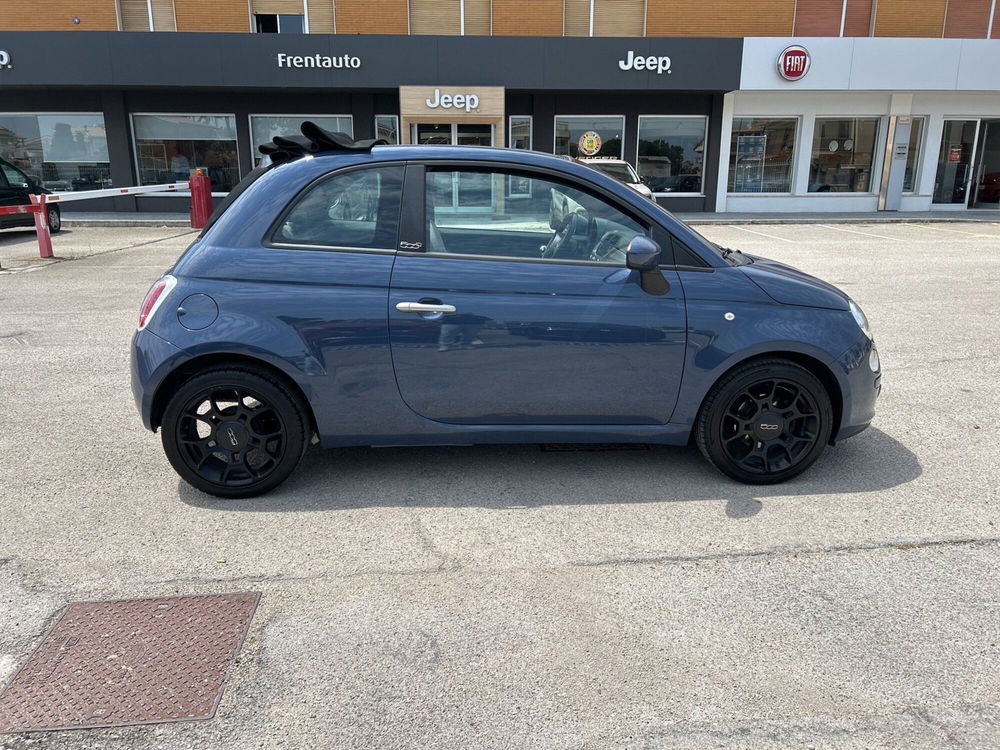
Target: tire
<point x="765" y="422"/>
<point x="235" y="432"/>
<point x="55" y="219"/>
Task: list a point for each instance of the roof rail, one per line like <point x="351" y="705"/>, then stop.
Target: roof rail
<point x="314" y="140"/>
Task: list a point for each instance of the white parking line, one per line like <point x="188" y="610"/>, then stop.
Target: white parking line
<point x="855" y="231"/>
<point x="762" y="234"/>
<point x="952" y="231"/>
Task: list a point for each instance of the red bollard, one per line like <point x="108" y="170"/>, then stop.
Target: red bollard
<point x="42" y="226"/>
<point x="201" y="199"/>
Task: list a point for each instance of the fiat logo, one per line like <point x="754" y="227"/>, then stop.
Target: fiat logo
<point x="793" y="63"/>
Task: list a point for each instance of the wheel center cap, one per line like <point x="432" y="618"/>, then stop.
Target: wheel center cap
<point x="769" y="426"/>
<point x="231" y="436"/>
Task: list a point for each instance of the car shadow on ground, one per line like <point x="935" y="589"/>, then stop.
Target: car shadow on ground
<point x="22" y="234"/>
<point x="518" y="476"/>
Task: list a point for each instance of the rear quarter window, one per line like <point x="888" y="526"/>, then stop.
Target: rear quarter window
<point x="358" y="208"/>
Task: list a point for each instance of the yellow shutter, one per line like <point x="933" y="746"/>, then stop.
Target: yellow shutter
<point x="278" y="7"/>
<point x="434" y="17"/>
<point x="576" y="18"/>
<point x="163" y="15"/>
<point x="477" y="17"/>
<point x="619" y="17"/>
<point x="135" y="15"/>
<point x="321" y="17"/>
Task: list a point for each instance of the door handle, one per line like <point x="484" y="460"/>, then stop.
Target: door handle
<point x="420" y="307"/>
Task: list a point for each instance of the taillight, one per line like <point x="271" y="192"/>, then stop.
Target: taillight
<point x="156" y="294"/>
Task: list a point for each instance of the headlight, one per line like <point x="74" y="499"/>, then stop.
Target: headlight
<point x="859" y="318"/>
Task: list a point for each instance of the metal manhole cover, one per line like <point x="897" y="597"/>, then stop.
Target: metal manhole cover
<point x="138" y="661"/>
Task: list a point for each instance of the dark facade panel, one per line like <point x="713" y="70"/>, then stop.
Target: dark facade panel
<point x="255" y="61"/>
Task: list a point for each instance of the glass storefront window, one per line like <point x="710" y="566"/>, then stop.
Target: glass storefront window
<point x="168" y="147"/>
<point x="590" y="136"/>
<point x="671" y="153"/>
<point x="842" y="155"/>
<point x="761" y="155"/>
<point x="387" y="128"/>
<point x="265" y="127"/>
<point x="61" y="151"/>
<point x="520" y="132"/>
<point x="913" y="155"/>
<point x="954" y="167"/>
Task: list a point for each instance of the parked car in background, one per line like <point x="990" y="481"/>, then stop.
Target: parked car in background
<point x="620" y="170"/>
<point x="15" y="189"/>
<point x="424" y="295"/>
<point x="989" y="188"/>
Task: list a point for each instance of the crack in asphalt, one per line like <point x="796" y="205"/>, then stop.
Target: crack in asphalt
<point x="791" y="551"/>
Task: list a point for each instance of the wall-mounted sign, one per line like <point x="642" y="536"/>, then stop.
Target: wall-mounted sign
<point x="902" y="150"/>
<point x="451" y="103"/>
<point x="589" y="143"/>
<point x="5" y="59"/>
<point x="632" y="61"/>
<point x="318" y="61"/>
<point x="468" y="102"/>
<point x="793" y="63"/>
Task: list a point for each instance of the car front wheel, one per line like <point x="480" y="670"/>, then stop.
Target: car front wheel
<point x="765" y="422"/>
<point x="55" y="219"/>
<point x="234" y="433"/>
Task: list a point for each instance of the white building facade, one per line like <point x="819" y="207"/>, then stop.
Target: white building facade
<point x="872" y="124"/>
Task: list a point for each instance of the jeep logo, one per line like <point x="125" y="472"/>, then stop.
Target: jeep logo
<point x="633" y="62"/>
<point x="469" y="102"/>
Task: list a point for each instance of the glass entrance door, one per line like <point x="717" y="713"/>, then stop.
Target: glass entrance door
<point x="469" y="191"/>
<point x="954" y="171"/>
<point x="986" y="186"/>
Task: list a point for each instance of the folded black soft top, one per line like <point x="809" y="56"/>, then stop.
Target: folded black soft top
<point x="314" y="140"/>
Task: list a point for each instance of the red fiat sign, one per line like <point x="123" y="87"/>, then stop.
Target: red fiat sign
<point x="793" y="63"/>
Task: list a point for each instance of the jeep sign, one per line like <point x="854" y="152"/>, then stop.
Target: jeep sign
<point x="633" y="61"/>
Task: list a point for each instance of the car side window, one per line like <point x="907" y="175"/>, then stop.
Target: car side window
<point x="354" y="209"/>
<point x="513" y="215"/>
<point x="14" y="177"/>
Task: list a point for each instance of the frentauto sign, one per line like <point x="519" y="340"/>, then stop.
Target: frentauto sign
<point x="793" y="63"/>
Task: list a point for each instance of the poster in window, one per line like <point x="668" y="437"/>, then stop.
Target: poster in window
<point x="750" y="151"/>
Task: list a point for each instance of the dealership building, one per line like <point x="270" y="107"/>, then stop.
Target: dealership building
<point x="769" y="124"/>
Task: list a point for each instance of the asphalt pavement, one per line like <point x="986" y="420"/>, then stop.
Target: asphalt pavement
<point x="506" y="597"/>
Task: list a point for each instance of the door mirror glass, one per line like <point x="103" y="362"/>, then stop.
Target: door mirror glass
<point x="642" y="254"/>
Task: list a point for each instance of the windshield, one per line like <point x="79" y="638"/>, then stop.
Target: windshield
<point x="622" y="172"/>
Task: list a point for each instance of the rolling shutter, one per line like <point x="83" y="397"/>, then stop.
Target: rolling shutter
<point x="619" y="17"/>
<point x="134" y="15"/>
<point x="576" y="18"/>
<point x="477" y="17"/>
<point x="321" y="16"/>
<point x="434" y="17"/>
<point x="278" y="7"/>
<point x="163" y="15"/>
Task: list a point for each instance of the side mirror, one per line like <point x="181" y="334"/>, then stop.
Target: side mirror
<point x="643" y="255"/>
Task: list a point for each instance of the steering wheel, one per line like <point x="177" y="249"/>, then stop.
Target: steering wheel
<point x="572" y="225"/>
<point x="611" y="244"/>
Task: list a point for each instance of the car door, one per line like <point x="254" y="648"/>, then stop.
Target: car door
<point x="511" y="304"/>
<point x="10" y="195"/>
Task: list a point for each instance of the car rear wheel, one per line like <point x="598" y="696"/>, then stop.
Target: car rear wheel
<point x="234" y="433"/>
<point x="765" y="422"/>
<point x="55" y="219"/>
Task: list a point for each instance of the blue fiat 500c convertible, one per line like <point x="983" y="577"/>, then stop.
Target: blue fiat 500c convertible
<point x="363" y="294"/>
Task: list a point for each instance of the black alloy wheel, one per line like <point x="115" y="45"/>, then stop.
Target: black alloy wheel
<point x="234" y="433"/>
<point x="765" y="422"/>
